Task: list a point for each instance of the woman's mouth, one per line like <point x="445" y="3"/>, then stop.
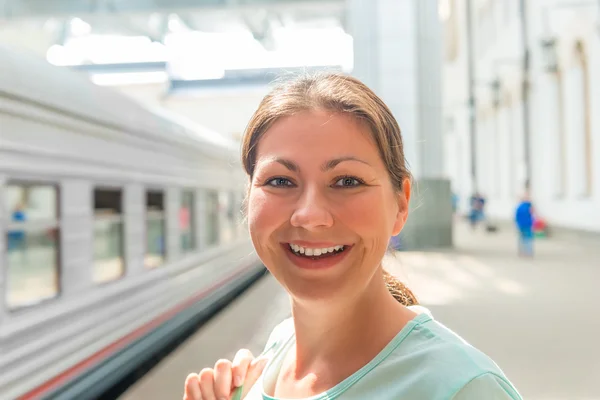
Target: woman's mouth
<point x="316" y="253"/>
<point x="314" y="257"/>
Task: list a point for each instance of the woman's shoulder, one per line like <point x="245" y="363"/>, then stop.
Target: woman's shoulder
<point x="432" y="336"/>
<point x="446" y="358"/>
<point x="280" y="334"/>
<point x="284" y="328"/>
<point x="487" y="386"/>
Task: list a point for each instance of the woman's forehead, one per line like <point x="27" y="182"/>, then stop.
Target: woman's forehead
<point x="317" y="130"/>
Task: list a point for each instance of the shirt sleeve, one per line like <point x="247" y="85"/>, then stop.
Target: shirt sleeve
<point x="487" y="386"/>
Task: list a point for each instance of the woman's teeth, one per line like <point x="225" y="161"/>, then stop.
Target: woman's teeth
<point x="299" y="250"/>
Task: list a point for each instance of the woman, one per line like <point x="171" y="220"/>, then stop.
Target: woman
<point x="328" y="188"/>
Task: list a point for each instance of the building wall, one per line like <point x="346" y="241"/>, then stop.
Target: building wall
<point x="564" y="108"/>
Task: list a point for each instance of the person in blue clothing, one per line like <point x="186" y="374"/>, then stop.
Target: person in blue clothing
<point x="16" y="237"/>
<point x="476" y="213"/>
<point x="455" y="202"/>
<point x="328" y="187"/>
<point x="524" y="219"/>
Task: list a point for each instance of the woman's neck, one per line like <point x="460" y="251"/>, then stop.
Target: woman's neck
<point x="343" y="337"/>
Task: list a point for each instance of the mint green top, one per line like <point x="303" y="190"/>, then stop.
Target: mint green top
<point x="425" y="361"/>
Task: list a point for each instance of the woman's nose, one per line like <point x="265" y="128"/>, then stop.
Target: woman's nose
<point x="312" y="212"/>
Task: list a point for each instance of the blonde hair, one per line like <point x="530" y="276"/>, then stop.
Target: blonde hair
<point x="338" y="93"/>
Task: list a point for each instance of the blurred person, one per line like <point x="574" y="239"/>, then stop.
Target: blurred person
<point x="328" y="188"/>
<point x="476" y="212"/>
<point x="524" y="219"/>
<point x="16" y="237"/>
<point x="455" y="202"/>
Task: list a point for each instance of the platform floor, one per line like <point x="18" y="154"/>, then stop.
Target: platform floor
<point x="538" y="318"/>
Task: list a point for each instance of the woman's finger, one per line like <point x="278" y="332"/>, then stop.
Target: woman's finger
<point x="240" y="366"/>
<point x="223" y="379"/>
<point x="254" y="371"/>
<point x="207" y="386"/>
<point x="192" y="388"/>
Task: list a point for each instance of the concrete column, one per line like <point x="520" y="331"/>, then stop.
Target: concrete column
<point x="384" y="59"/>
<point x="3" y="267"/>
<point x="173" y="233"/>
<point x="429" y="77"/>
<point x="135" y="228"/>
<point x="76" y="237"/>
<point x="398" y="53"/>
<point x="429" y="224"/>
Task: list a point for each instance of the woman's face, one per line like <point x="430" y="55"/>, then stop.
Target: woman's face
<point x="321" y="206"/>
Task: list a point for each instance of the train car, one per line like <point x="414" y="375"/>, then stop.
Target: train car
<point x="116" y="221"/>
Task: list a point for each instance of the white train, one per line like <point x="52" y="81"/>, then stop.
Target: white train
<point x="118" y="228"/>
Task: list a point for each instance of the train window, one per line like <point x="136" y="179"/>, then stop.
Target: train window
<point x="32" y="238"/>
<point x="212" y="217"/>
<point x="234" y="214"/>
<point x="186" y="220"/>
<point x="241" y="215"/>
<point x="227" y="206"/>
<point x="155" y="229"/>
<point x="109" y="254"/>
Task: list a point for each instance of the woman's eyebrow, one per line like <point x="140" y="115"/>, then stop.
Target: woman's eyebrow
<point x="292" y="166"/>
<point x="333" y="163"/>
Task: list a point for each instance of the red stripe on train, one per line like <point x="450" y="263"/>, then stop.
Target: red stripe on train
<point x="129" y="338"/>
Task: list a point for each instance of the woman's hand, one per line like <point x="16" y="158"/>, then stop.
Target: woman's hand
<point x="218" y="383"/>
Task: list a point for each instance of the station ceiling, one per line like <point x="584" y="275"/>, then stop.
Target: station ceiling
<point x="39" y="24"/>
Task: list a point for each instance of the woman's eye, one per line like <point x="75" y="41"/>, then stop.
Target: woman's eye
<point x="279" y="182"/>
<point x="348" y="182"/>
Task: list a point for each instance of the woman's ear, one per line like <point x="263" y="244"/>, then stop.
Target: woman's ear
<point x="403" y="198"/>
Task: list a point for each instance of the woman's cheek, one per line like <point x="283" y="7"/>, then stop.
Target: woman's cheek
<point x="365" y="214"/>
<point x="264" y="212"/>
